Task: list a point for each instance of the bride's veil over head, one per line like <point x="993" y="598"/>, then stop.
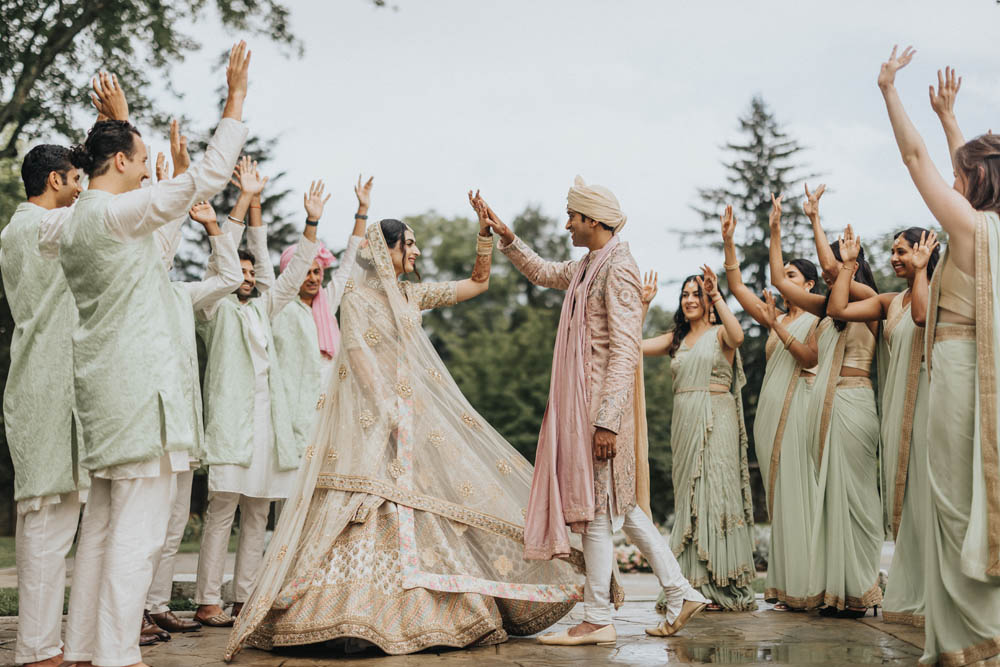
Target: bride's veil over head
<point x="393" y="425"/>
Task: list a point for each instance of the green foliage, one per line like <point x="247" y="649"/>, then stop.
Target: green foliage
<point x="765" y="162"/>
<point x="659" y="411"/>
<point x="9" y="601"/>
<point x="49" y="51"/>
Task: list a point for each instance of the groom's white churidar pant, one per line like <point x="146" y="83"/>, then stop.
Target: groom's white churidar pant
<point x="121" y="535"/>
<point x="158" y="597"/>
<point x="599" y="554"/>
<point x="43" y="538"/>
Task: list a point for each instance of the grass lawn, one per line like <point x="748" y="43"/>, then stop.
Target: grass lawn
<point x="6" y="552"/>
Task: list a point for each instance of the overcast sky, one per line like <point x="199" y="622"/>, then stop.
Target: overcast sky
<point x="517" y="97"/>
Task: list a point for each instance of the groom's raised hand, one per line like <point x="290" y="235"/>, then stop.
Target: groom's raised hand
<point x="604" y="444"/>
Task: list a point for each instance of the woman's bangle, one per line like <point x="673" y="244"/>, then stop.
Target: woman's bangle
<point x="717" y="298"/>
<point x="254" y="205"/>
<point x="236" y="220"/>
<point x="735" y="266"/>
<point x="788" y="342"/>
<point x="360" y="216"/>
<point x="849" y="266"/>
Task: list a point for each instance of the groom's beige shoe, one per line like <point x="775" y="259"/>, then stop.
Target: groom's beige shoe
<point x="605" y="636"/>
<point x="690" y="609"/>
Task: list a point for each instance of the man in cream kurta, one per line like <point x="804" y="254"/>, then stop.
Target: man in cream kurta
<point x="38" y="404"/>
<point x="129" y="370"/>
<point x="249" y="442"/>
<point x="612" y="335"/>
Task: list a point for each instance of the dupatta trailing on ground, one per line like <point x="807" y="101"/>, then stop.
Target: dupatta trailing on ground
<point x="981" y="546"/>
<point x="393" y="426"/>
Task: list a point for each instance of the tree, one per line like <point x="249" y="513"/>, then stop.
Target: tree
<point x="764" y="162"/>
<point x="50" y="49"/>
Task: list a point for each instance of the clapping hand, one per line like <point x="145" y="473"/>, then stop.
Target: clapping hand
<point x="923" y="250"/>
<point x="811" y="205"/>
<point x="314" y="201"/>
<point x="850" y="245"/>
<point x="203" y="213"/>
<point x="108" y="98"/>
<point x="649" y="287"/>
<point x="774" y="218"/>
<point x="943" y="101"/>
<point x="247" y="178"/>
<point x="887" y="74"/>
<point x="179" y="149"/>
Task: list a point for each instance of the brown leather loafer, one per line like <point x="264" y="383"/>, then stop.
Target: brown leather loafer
<point x="147" y="640"/>
<point x="169" y="622"/>
<point x="151" y="628"/>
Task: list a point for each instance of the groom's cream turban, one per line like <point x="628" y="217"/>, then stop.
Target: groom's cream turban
<point x="596" y="202"/>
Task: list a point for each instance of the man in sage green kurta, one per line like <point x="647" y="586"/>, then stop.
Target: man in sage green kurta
<point x="128" y="369"/>
<point x="38" y="404"/>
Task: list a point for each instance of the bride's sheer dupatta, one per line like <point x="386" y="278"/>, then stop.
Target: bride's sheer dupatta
<point x="393" y="426"/>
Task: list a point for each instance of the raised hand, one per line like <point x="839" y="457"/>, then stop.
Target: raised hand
<point x="650" y="285"/>
<point x="943" y="101"/>
<point x="203" y="213"/>
<point x="811" y="205"/>
<point x="768" y="310"/>
<point x="108" y="98"/>
<point x="710" y="283"/>
<point x="498" y="227"/>
<point x="237" y="72"/>
<point x="774" y="219"/>
<point x="924" y="249"/>
<point x="179" y="149"/>
<point x="364" y="193"/>
<point x="162" y="167"/>
<point x="481" y="209"/>
<point x="728" y="225"/>
<point x="247" y="178"/>
<point x="850" y="245"/>
<point x="887" y="74"/>
<point x="314" y="201"/>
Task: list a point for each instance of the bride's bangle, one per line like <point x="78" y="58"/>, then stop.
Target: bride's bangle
<point x="484" y="245"/>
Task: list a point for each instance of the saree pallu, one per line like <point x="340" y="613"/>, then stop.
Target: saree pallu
<point x="780" y="434"/>
<point x="904" y="465"/>
<point x="712" y="536"/>
<point x="962" y="597"/>
<point x="847" y="534"/>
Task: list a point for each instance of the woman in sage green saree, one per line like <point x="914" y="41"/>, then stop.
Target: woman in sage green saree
<point x="904" y="413"/>
<point x="712" y="535"/>
<point x="962" y="587"/>
<point x="847" y="532"/>
<point x="782" y="424"/>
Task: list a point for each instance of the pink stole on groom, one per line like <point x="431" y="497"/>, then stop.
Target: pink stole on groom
<point x="562" y="489"/>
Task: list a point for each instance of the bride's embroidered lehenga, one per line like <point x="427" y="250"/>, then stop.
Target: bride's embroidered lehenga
<point x="405" y="527"/>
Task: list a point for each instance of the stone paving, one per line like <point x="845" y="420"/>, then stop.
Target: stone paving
<point x="721" y="638"/>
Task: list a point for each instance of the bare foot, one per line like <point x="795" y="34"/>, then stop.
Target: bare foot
<point x="54" y="661"/>
<point x="584" y="628"/>
<point x="206" y="611"/>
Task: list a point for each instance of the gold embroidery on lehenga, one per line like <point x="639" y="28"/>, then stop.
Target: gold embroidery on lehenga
<point x="396" y="469"/>
<point x="435" y="374"/>
<point x="321" y="401"/>
<point x="342" y="373"/>
<point x="367" y="419"/>
<point x="503" y="565"/>
<point x="310" y="452"/>
<point x="436" y="438"/>
<point x="282" y="551"/>
<point x="403" y="389"/>
<point x="373" y="337"/>
<point x="465" y="489"/>
<point x="470" y="421"/>
<point x="349" y="285"/>
<point x="503" y="467"/>
<point x="332" y="456"/>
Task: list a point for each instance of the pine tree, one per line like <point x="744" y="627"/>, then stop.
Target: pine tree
<point x="765" y="161"/>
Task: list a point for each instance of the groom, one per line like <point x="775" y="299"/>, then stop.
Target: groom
<point x="585" y="464"/>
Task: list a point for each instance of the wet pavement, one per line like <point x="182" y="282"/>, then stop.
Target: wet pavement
<point x="764" y="636"/>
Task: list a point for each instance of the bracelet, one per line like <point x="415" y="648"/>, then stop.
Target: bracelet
<point x="254" y="205"/>
<point x="312" y="223"/>
<point x="484" y="245"/>
<point x="846" y="267"/>
<point x="236" y="220"/>
<point x="788" y="343"/>
<point x="359" y="216"/>
<point x="717" y="298"/>
<point x="732" y="267"/>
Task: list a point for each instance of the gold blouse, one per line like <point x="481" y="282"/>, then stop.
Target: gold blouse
<point x="958" y="292"/>
<point x="860" y="347"/>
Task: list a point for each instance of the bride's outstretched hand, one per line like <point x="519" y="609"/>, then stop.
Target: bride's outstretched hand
<point x="496" y="224"/>
<point x="479" y="206"/>
<point x="887" y="74"/>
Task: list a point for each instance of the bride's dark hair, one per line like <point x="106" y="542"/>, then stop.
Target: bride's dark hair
<point x="681" y="325"/>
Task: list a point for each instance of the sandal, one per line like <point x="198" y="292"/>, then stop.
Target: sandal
<point x="222" y="620"/>
<point x="715" y="606"/>
<point x="780" y="606"/>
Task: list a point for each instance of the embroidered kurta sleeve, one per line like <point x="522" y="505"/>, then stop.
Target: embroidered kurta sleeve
<point x="50" y="231"/>
<point x="624" y="308"/>
<point x="257" y="245"/>
<point x="223" y="279"/>
<point x="335" y="288"/>
<point x="541" y="272"/>
<point x="135" y="214"/>
<point x="286" y="287"/>
<point x="432" y="295"/>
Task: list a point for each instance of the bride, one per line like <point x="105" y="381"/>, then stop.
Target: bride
<point x="405" y="527"/>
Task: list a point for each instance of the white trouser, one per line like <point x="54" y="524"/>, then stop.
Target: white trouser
<point x="215" y="544"/>
<point x="599" y="554"/>
<point x="158" y="597"/>
<point x="43" y="537"/>
<point x="120" y="537"/>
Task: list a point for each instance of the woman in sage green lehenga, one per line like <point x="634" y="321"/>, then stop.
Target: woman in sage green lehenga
<point x="405" y="527"/>
<point x="847" y="532"/>
<point x="903" y="387"/>
<point x="962" y="569"/>
<point x="713" y="526"/>
<point x="781" y="426"/>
